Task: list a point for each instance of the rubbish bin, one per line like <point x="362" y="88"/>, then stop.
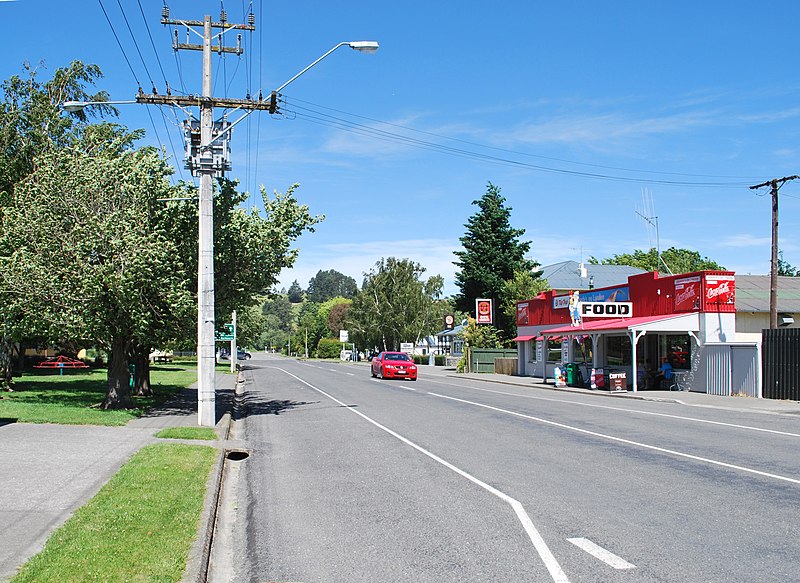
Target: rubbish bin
<point x="574" y="376"/>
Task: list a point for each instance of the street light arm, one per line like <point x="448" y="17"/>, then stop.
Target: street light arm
<point x="361" y="46"/>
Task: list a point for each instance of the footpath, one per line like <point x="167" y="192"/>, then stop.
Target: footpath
<point x="49" y="471"/>
<point x="689" y="398"/>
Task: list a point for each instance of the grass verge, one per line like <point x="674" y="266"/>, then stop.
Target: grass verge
<point x="139" y="527"/>
<point x="206" y="433"/>
<point x="72" y="399"/>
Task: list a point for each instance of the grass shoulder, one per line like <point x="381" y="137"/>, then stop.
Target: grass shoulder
<point x="139" y="527"/>
<point x="74" y="397"/>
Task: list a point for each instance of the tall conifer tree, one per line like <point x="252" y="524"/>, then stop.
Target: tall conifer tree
<point x="492" y="253"/>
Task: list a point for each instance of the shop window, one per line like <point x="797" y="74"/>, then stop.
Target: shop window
<point x="554" y="350"/>
<point x="678" y="348"/>
<point x="583" y="350"/>
<point x="618" y="350"/>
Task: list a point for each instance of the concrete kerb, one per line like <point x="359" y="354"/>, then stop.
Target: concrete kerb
<point x="197" y="565"/>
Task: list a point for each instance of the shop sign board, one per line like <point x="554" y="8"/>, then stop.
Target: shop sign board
<point x="539" y="350"/>
<point x="522" y="314"/>
<point x="606" y="309"/>
<point x="483" y="311"/>
<point x="407" y="347"/>
<point x="720" y="289"/>
<point x="618" y="381"/>
<point x="343" y="336"/>
<point x="687" y="294"/>
<point x="449" y="322"/>
<point x="617" y="294"/>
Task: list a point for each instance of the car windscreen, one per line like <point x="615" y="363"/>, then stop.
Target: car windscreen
<point x="397" y="357"/>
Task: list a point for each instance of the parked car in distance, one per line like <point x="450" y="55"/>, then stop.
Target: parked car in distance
<point x="225" y="354"/>
<point x="393" y="365"/>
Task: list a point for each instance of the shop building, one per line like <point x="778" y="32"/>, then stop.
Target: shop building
<point x="630" y="330"/>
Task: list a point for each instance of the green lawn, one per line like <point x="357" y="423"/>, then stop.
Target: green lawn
<point x="139" y="527"/>
<point x="73" y="398"/>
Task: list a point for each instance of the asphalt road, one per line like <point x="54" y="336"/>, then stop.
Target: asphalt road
<point x="355" y="479"/>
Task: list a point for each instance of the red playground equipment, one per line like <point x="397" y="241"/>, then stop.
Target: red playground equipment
<point x="60" y="363"/>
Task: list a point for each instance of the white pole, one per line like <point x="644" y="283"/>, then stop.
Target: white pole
<point x="206" y="404"/>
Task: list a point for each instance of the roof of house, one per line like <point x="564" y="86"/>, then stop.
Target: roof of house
<point x="752" y="293"/>
<point x="567" y="275"/>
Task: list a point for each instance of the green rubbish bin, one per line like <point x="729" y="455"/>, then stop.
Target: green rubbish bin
<point x="574" y="376"/>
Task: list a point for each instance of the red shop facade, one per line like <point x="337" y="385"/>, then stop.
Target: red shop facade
<point x="687" y="320"/>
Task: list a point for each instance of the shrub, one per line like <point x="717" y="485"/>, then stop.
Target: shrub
<point x="329" y="348"/>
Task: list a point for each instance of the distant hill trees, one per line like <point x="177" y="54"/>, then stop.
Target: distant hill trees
<point x="330" y="284"/>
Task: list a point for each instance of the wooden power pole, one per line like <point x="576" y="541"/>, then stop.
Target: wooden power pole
<point x="774" y="185"/>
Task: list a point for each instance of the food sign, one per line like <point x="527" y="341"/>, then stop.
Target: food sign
<point x="483" y="311"/>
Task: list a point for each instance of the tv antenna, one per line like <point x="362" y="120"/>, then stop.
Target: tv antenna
<point x="652" y="220"/>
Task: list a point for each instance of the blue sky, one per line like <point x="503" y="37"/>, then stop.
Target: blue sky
<point x="587" y="115"/>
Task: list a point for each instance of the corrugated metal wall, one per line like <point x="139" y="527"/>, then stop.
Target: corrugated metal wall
<point x="781" y="363"/>
<point x="744" y="376"/>
<point x="718" y="370"/>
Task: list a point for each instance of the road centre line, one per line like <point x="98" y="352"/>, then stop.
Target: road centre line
<point x="599" y="552"/>
<point x="539" y="544"/>
<point x="610" y="408"/>
<point x="625" y="441"/>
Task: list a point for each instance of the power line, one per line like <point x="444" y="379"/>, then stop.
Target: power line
<point x="372" y="132"/>
<point x="744" y="179"/>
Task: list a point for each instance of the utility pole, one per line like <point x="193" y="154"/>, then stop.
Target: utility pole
<point x="207" y="156"/>
<point x="774" y="185"/>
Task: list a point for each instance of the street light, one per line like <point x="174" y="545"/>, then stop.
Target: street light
<point x="205" y="287"/>
<point x="362" y="46"/>
<point x="76" y="106"/>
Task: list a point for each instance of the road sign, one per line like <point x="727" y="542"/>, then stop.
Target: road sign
<point x="230" y="334"/>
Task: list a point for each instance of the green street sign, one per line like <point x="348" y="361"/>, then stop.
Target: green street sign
<point x="229" y="334"/>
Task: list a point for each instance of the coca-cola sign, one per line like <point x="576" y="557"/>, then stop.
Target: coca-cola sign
<point x="720" y="289"/>
<point x="687" y="294"/>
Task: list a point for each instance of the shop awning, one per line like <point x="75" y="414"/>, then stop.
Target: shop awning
<point x="522" y="338"/>
<point x="668" y="323"/>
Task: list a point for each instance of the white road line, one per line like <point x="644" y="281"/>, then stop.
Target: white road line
<point x="599" y="552"/>
<point x="610" y="408"/>
<point x="541" y="547"/>
<point x="626" y="441"/>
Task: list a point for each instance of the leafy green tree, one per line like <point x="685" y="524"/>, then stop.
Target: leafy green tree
<point x="785" y="268"/>
<point x="395" y="305"/>
<point x="492" y="254"/>
<point x="523" y="286"/>
<point x="678" y="260"/>
<point x="31" y="123"/>
<point x="295" y="293"/>
<point x="87" y="264"/>
<point x="330" y="284"/>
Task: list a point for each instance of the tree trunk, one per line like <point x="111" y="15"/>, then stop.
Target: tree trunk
<point x="119" y="393"/>
<point x="141" y="378"/>
<point x="6" y="363"/>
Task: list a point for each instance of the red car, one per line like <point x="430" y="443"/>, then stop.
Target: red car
<point x="394" y="365"/>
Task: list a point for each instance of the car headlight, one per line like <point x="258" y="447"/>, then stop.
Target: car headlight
<point x="390" y="366"/>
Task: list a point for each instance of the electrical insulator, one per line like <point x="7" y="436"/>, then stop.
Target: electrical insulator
<point x="165" y="13"/>
<point x="251" y="19"/>
<point x="223" y="16"/>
